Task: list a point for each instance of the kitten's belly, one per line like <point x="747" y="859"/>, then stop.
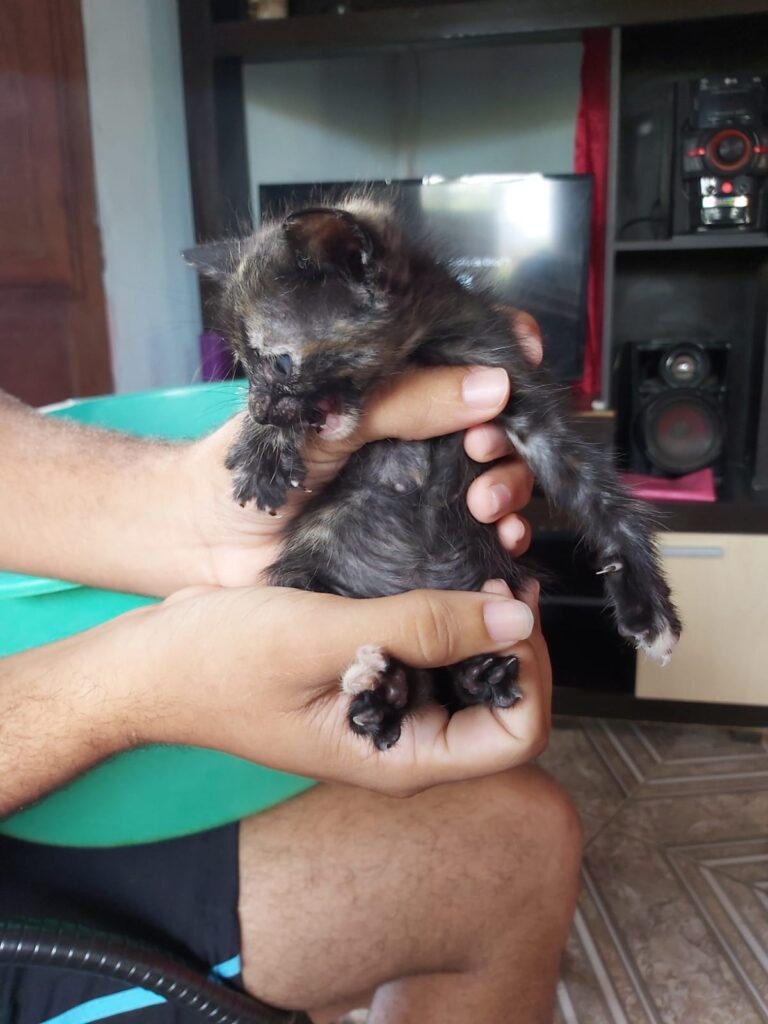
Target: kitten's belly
<point x="375" y="555"/>
<point x="396" y="521"/>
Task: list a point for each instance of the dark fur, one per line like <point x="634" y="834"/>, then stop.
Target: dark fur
<point x="346" y="301"/>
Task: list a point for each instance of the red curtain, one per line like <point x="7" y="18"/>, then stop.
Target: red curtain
<point x="591" y="157"/>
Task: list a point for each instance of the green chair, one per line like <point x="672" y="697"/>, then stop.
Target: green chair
<point x="154" y="792"/>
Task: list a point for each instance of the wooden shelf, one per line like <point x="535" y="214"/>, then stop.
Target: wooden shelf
<point x="741" y="515"/>
<point x="694" y="243"/>
<point x="453" y="23"/>
<point x="575" y="700"/>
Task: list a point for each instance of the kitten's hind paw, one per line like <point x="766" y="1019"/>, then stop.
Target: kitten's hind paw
<point x="380" y="690"/>
<point x="659" y="643"/>
<point x="644" y="611"/>
<point x="371" y="714"/>
<point x="487" y="679"/>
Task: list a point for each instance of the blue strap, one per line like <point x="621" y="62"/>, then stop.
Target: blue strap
<point x="107" y="1006"/>
<point x="228" y="968"/>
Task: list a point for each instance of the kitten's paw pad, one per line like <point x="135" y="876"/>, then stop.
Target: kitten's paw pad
<point x="380" y="688"/>
<point x="488" y="679"/>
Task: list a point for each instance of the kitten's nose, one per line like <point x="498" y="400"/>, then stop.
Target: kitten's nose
<point x="280" y="366"/>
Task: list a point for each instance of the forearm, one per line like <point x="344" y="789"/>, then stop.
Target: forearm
<point x="89" y="505"/>
<point x="58" y="717"/>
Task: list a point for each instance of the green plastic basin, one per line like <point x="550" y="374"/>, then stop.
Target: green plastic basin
<point x="154" y="792"/>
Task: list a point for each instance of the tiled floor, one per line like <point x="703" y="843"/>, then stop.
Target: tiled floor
<point x="672" y="924"/>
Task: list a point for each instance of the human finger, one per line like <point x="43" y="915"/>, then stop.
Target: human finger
<point x="505" y="488"/>
<point x="427" y="628"/>
<point x="478" y="740"/>
<point x="514" y="533"/>
<point x="481" y="739"/>
<point x="527" y="333"/>
<point x="434" y="401"/>
<point x="487" y="442"/>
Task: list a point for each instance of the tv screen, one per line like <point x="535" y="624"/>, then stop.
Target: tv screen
<point x="526" y="236"/>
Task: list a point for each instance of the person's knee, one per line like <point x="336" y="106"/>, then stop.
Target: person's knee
<point x="537" y="819"/>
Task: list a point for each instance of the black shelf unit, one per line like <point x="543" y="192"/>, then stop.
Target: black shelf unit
<point x="709" y="285"/>
<point x="406" y="25"/>
<point x="217" y="42"/>
<point x="695" y="243"/>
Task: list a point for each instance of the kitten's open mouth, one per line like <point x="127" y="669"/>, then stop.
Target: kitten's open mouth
<point x="329" y="418"/>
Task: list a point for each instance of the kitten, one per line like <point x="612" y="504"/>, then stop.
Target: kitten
<point x="323" y="308"/>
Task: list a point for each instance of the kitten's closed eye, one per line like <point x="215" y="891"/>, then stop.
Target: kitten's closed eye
<point x="278" y="367"/>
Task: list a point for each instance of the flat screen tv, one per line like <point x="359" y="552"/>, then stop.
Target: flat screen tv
<point x="526" y="236"/>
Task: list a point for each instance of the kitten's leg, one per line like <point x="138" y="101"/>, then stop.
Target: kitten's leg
<point x="266" y="463"/>
<point x="581" y="481"/>
<point x="484" y="679"/>
<point x="383" y="691"/>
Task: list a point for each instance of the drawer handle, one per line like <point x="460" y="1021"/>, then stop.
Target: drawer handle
<point x="684" y="551"/>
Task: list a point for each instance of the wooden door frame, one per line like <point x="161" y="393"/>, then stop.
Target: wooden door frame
<point x="90" y="353"/>
<point x="80" y="301"/>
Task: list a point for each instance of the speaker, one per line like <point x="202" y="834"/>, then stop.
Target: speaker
<point x="646" y="146"/>
<point x="678" y="406"/>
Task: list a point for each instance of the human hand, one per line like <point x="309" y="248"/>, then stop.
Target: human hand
<point x="232" y="546"/>
<point x="222" y="668"/>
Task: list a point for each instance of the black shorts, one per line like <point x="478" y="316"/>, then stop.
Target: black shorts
<point x="180" y="895"/>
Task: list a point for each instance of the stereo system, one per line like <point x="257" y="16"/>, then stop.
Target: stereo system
<point x="678" y="411"/>
<point x="693" y="156"/>
<point x="723" y="152"/>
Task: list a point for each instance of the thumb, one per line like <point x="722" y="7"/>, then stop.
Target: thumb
<point x="431" y="628"/>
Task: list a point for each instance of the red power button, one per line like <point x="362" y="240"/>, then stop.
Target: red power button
<point x="726" y="188"/>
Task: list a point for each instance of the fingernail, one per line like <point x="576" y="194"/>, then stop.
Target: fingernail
<point x="508" y="620"/>
<point x="485" y="387"/>
<point x="500" y="498"/>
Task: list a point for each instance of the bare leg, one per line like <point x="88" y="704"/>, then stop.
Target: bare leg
<point x="452" y="906"/>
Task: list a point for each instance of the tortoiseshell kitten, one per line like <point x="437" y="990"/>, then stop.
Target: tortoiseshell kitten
<point x="323" y="308"/>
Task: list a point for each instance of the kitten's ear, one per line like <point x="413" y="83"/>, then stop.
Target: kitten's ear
<point x="326" y="240"/>
<point x="214" y="259"/>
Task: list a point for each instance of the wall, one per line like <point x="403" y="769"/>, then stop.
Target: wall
<point x="453" y="111"/>
<point x="142" y="182"/>
<point x="495" y="108"/>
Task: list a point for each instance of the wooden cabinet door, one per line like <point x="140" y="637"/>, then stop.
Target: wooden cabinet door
<point x="720" y="584"/>
<point x="53" y="329"/>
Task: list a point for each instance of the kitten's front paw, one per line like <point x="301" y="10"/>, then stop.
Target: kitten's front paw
<point x="379" y="685"/>
<point x="487" y="679"/>
<point x="264" y="469"/>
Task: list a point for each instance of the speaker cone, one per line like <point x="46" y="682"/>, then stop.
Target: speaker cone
<point x="685" y="366"/>
<point x="682" y="431"/>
